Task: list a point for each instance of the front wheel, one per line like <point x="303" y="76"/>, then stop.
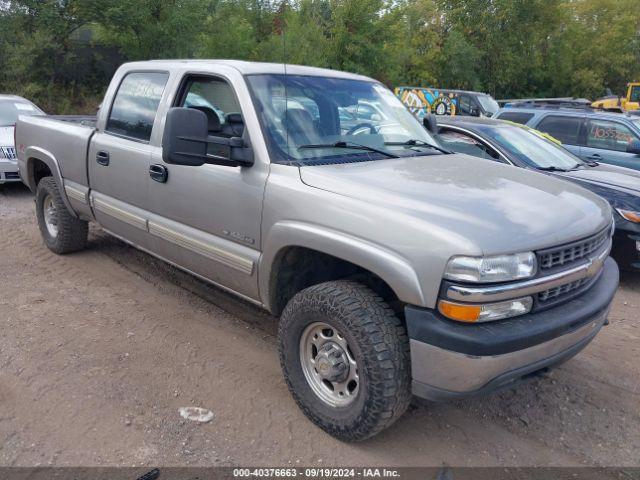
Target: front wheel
<point x="61" y="231"/>
<point x="345" y="358"/>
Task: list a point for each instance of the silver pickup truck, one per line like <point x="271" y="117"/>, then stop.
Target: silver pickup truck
<point x="396" y="266"/>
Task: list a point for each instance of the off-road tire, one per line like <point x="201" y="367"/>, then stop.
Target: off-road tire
<point x="72" y="232"/>
<point x="379" y="342"/>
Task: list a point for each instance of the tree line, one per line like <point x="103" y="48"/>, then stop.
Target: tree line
<point x="62" y="53"/>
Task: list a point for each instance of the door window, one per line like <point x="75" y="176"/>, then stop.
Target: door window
<point x="609" y="135"/>
<point x="135" y="105"/>
<point x="462" y="143"/>
<point x="516" y="117"/>
<point x="565" y="129"/>
<point x="635" y="94"/>
<point x="464" y="105"/>
<point x="216" y="99"/>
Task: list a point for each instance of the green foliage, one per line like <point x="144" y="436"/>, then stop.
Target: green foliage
<point x="62" y="53"/>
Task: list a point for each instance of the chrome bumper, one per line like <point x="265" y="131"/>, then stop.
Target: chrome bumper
<point x="9" y="171"/>
<point x="440" y="374"/>
<point x="453" y="360"/>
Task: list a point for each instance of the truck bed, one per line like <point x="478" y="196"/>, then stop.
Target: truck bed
<point x="65" y="138"/>
<point x="86" y="120"/>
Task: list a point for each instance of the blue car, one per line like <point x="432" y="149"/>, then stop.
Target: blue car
<point x="592" y="135"/>
<point x="521" y="147"/>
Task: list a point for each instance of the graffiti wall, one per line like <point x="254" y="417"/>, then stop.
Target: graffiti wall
<point x="423" y="100"/>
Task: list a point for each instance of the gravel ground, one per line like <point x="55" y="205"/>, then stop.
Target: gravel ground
<point x="100" y="349"/>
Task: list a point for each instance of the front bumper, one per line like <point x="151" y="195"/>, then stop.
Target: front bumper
<point x="9" y="171"/>
<point x="626" y="247"/>
<point x="455" y="360"/>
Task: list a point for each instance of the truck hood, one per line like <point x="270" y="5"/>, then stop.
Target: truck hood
<point x="496" y="207"/>
<point x="6" y="136"/>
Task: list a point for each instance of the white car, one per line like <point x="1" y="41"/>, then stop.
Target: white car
<point x="11" y="106"/>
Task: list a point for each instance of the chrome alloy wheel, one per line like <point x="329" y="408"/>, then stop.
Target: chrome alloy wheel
<point x="50" y="216"/>
<point x="329" y="365"/>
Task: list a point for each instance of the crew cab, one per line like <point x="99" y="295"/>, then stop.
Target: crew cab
<point x="396" y="266"/>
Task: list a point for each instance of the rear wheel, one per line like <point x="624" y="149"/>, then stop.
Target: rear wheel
<point x="61" y="231"/>
<point x="345" y="358"/>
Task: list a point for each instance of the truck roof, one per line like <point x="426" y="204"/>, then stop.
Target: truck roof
<point x="7" y="96"/>
<point x="249" y="68"/>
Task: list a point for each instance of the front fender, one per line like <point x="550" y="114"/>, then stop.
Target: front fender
<point x="31" y="154"/>
<point x="395" y="270"/>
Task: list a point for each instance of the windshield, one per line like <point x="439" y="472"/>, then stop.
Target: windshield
<point x="325" y="119"/>
<point x="488" y="104"/>
<point x="10" y="109"/>
<point x="531" y="148"/>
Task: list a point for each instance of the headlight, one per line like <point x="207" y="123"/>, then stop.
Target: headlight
<point x="487" y="312"/>
<point x="629" y="215"/>
<point x="499" y="268"/>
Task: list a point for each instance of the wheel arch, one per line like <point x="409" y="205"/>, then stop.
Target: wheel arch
<point x="298" y="255"/>
<point x="41" y="163"/>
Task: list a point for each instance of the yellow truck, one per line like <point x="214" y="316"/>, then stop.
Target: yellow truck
<point x="621" y="104"/>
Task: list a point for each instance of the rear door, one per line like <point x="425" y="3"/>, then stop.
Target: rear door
<point x="607" y="141"/>
<point x="120" y="154"/>
<point x="566" y="128"/>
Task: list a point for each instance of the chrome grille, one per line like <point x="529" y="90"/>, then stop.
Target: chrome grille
<point x="556" y="292"/>
<point x="8" y="152"/>
<point x="567" y="254"/>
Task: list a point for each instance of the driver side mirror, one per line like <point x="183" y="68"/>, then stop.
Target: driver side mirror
<point x="634" y="147"/>
<point x="186" y="141"/>
<point x="474" y="111"/>
<point x="430" y="123"/>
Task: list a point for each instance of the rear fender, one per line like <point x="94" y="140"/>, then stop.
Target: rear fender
<point x="32" y="154"/>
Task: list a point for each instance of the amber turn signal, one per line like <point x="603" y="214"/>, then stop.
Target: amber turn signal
<point x="460" y="312"/>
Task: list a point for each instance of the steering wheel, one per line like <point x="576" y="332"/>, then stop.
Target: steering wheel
<point x="372" y="128"/>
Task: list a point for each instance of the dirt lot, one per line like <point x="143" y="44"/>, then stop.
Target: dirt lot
<point x="100" y="349"/>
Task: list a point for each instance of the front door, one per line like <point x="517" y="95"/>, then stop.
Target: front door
<point x="119" y="157"/>
<point x="207" y="219"/>
<point x="607" y="141"/>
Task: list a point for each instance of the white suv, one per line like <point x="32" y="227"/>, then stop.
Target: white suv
<point x="11" y="106"/>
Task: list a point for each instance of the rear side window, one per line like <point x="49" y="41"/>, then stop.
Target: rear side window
<point x="565" y="129"/>
<point x="516" y="117"/>
<point x="136" y="103"/>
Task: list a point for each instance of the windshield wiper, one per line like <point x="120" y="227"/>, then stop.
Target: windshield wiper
<point x="553" y="169"/>
<point x="418" y="143"/>
<point x="353" y="146"/>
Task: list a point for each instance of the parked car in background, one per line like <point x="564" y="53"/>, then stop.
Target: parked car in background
<point x="591" y="135"/>
<point x="521" y="146"/>
<point x="11" y="106"/>
<point x="422" y="101"/>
